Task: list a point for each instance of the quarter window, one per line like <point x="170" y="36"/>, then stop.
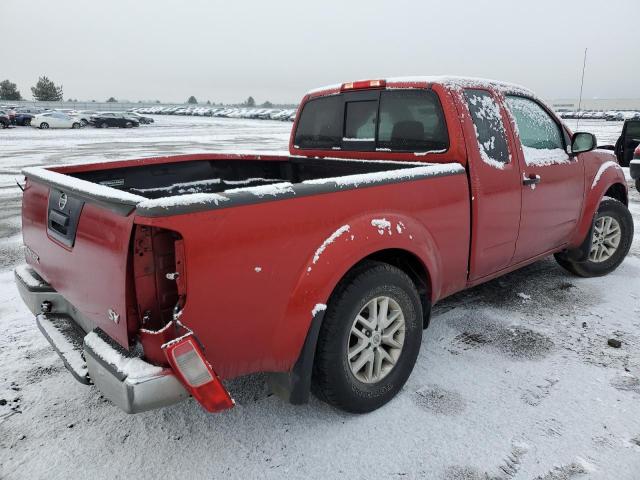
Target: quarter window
<point x="490" y="132"/>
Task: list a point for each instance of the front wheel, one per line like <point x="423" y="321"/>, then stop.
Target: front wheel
<point x="369" y="340"/>
<point x="75" y="125"/>
<point x="638" y="184"/>
<point x="103" y="125"/>
<point x="611" y="239"/>
<point x="44" y="125"/>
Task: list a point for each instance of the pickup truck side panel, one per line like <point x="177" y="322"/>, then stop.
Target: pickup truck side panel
<point x="251" y="297"/>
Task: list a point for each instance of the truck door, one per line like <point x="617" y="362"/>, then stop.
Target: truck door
<point x="628" y="142"/>
<point x="552" y="182"/>
<point x="495" y="181"/>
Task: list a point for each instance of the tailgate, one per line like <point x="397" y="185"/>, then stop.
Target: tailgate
<point x="81" y="247"/>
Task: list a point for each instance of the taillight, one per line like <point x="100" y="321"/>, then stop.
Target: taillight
<point x="363" y="84"/>
<point x="187" y="360"/>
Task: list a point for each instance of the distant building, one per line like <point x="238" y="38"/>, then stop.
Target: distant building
<point x="568" y="104"/>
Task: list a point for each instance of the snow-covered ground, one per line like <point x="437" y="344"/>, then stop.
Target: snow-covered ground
<point x="514" y="381"/>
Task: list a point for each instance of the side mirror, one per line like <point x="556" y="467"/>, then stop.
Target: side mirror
<point x="582" y="142"/>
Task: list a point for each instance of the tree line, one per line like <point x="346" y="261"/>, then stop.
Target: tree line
<point x="45" y="90"/>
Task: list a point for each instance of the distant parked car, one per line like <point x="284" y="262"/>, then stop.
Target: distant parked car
<point x="55" y="120"/>
<point x="109" y="119"/>
<point x="140" y="118"/>
<point x="84" y="116"/>
<point x="23" y="118"/>
<point x="4" y="119"/>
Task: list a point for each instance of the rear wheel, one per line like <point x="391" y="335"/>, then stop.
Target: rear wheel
<point x="369" y="339"/>
<point x="611" y="239"/>
<point x="128" y="125"/>
<point x="44" y="125"/>
<point x="75" y="125"/>
<point x="103" y="125"/>
<point x="638" y="184"/>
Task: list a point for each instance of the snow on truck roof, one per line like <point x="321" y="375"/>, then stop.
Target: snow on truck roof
<point x="446" y="80"/>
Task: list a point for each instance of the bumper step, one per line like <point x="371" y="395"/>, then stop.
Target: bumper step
<point x="66" y="338"/>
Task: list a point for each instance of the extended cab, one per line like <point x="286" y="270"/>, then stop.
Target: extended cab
<point x="156" y="279"/>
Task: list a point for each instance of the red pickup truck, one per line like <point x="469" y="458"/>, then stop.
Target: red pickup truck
<point x="156" y="279"/>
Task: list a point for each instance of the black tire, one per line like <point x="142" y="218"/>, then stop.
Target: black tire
<point x="44" y="125"/>
<point x="103" y="125"/>
<point x="75" y="125"/>
<point x="333" y="380"/>
<point x="128" y="125"/>
<point x="638" y="184"/>
<point x="609" y="207"/>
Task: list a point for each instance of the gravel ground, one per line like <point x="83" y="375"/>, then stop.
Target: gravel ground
<point x="514" y="381"/>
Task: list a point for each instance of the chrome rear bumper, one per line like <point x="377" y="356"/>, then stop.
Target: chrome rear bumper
<point x="128" y="381"/>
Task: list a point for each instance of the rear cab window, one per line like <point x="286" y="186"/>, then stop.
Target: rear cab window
<point x="402" y="120"/>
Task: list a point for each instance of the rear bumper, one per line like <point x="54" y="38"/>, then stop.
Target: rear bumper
<point x="128" y="381"/>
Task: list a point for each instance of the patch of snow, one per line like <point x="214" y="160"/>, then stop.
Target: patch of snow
<point x="189" y="187"/>
<point x="183" y="200"/>
<point x="133" y="368"/>
<point x="400" y="227"/>
<point x="258" y="269"/>
<point x="355" y="139"/>
<point x="425" y="170"/>
<point x="70" y="353"/>
<point x="603" y="168"/>
<point x="318" y="308"/>
<point x="273" y="189"/>
<point x="422" y="154"/>
<point x="381" y="224"/>
<point x="252" y="180"/>
<point x="328" y="241"/>
<point x="76" y="185"/>
<point x="524" y="296"/>
<point x="545" y="157"/>
<point x="29" y="277"/>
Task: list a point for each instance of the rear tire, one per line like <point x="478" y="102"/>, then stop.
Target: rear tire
<point x="103" y="125"/>
<point x="128" y="125"/>
<point x="75" y="125"/>
<point x="359" y="368"/>
<point x="638" y="184"/>
<point x="611" y="240"/>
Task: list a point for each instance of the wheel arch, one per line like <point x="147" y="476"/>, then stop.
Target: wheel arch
<point x="410" y="248"/>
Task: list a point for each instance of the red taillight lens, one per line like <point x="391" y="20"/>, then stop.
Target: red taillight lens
<point x="363" y="84"/>
<point x="187" y="360"/>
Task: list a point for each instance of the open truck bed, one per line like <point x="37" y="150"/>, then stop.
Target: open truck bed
<point x="126" y="244"/>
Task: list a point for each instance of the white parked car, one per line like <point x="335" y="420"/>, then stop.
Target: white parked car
<point x="55" y="120"/>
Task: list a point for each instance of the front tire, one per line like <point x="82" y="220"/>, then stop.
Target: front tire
<point x="44" y="125"/>
<point x="638" y="184"/>
<point x="75" y="126"/>
<point x="369" y="340"/>
<point x="612" y="235"/>
<point x="103" y="125"/>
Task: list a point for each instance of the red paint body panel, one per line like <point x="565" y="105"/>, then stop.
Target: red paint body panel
<point x="253" y="273"/>
<point x="252" y="320"/>
<point x="94" y="276"/>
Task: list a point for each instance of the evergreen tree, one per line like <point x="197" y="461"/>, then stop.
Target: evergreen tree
<point x="46" y="91"/>
<point x="9" y="91"/>
<point x="192" y="100"/>
<point x="250" y="102"/>
<point x="267" y="104"/>
<point x="112" y="100"/>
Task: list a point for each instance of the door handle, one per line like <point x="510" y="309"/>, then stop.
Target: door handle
<point x="531" y="180"/>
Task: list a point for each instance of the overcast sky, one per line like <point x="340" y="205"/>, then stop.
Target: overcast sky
<point x="276" y="50"/>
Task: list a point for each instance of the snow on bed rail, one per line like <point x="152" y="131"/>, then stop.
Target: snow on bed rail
<point x="181" y="200"/>
<point x="77" y="185"/>
<point x="133" y="368"/>
<point x="185" y="187"/>
<point x="356" y="180"/>
<point x="604" y="167"/>
<point x="273" y="189"/>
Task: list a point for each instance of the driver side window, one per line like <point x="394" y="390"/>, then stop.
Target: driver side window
<point x="541" y="137"/>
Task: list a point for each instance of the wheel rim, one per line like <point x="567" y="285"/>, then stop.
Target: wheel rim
<point x="103" y="125"/>
<point x="376" y="339"/>
<point x="606" y="239"/>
